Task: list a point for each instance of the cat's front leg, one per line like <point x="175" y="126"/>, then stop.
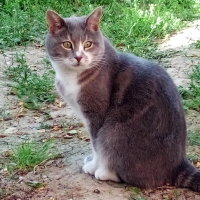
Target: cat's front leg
<point x="90" y="164"/>
<point x="105" y="174"/>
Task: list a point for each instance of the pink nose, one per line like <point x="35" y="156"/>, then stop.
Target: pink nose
<point x="78" y="58"/>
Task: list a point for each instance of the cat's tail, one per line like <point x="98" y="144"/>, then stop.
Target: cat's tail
<point x="187" y="176"/>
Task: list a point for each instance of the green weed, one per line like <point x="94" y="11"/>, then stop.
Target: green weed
<point x="27" y="155"/>
<point x="44" y="125"/>
<point x="194" y="138"/>
<point x="191" y="95"/>
<point x="131" y="25"/>
<point x="136" y="194"/>
<point x="197" y="44"/>
<point x="33" y="89"/>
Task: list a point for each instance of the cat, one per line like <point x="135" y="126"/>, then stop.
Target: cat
<point x="129" y="105"/>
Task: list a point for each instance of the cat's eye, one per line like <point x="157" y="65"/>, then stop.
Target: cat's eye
<point x="87" y="44"/>
<point x="67" y="45"/>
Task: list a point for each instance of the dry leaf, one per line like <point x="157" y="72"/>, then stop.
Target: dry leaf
<point x="198" y="164"/>
<point x="56" y="128"/>
<point x="72" y="132"/>
<point x="20" y="115"/>
<point x="67" y="136"/>
<point x="21" y="103"/>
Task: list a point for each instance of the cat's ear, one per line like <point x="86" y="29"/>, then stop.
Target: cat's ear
<point x="93" y="20"/>
<point x="54" y="21"/>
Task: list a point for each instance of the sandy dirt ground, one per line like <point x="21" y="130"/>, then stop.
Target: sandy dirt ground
<point x="62" y="178"/>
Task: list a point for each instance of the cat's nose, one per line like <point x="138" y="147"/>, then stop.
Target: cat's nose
<point x="78" y="58"/>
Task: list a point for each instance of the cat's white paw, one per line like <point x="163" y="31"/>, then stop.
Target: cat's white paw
<point x="105" y="175"/>
<point x="89" y="166"/>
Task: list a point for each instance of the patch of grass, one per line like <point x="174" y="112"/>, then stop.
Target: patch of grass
<point x="131" y="25"/>
<point x="34" y="90"/>
<point x="27" y="155"/>
<point x="44" y="125"/>
<point x="197" y="44"/>
<point x="193" y="151"/>
<point x="136" y="194"/>
<point x="194" y="138"/>
<point x="191" y="95"/>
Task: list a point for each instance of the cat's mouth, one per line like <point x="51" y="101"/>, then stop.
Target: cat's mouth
<point x="77" y="64"/>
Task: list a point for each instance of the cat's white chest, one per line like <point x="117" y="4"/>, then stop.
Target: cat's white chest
<point x="69" y="88"/>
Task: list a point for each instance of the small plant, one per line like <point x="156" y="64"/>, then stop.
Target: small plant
<point x="136" y="194"/>
<point x="194" y="138"/>
<point x="31" y="88"/>
<point x="191" y="95"/>
<point x="27" y="155"/>
<point x="193" y="152"/>
<point x="197" y="44"/>
<point x="45" y="126"/>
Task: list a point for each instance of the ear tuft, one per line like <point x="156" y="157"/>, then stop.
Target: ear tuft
<point x="54" y="21"/>
<point x="93" y="20"/>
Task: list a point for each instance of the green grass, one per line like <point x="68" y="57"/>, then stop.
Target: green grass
<point x="191" y="95"/>
<point x="194" y="138"/>
<point x="27" y="155"/>
<point x="197" y="44"/>
<point x="131" y="25"/>
<point x="34" y="90"/>
<point x="136" y="194"/>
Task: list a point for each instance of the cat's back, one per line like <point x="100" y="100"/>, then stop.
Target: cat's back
<point x="141" y="83"/>
<point x="148" y="74"/>
<point x="142" y="67"/>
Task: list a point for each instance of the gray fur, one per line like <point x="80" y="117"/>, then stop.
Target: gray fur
<point x="136" y="120"/>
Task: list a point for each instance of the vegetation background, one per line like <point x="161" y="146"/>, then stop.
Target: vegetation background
<point x="134" y="26"/>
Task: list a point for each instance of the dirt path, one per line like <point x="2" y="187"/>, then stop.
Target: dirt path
<point x="62" y="178"/>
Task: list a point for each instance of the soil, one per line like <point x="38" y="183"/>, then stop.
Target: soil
<point x="62" y="178"/>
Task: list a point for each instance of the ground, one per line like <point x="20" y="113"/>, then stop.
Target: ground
<point x="62" y="177"/>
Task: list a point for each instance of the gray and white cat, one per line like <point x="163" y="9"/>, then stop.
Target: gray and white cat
<point x="130" y="106"/>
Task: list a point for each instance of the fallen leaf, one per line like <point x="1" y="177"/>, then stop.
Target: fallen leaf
<point x="7" y="153"/>
<point x="21" y="103"/>
<point x="68" y="136"/>
<point x="86" y="139"/>
<point x="20" y="115"/>
<point x="72" y="132"/>
<point x="56" y="128"/>
<point x="198" y="164"/>
<point x="38" y="45"/>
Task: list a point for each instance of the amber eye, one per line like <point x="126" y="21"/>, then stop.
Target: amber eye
<point x="87" y="44"/>
<point x="67" y="45"/>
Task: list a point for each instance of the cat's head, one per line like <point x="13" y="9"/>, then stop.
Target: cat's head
<point x="74" y="43"/>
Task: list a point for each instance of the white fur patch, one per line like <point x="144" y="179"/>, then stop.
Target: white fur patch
<point x="98" y="167"/>
<point x="69" y="82"/>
